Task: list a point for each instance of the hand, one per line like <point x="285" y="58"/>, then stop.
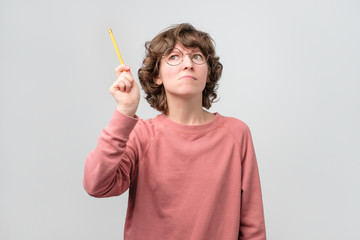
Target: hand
<point x="125" y="91"/>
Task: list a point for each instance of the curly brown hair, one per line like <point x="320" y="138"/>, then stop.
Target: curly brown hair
<point x="188" y="36"/>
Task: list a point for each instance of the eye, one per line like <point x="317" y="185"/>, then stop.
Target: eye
<point x="173" y="56"/>
<point x="198" y="56"/>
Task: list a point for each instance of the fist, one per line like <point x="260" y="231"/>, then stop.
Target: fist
<point x="125" y="91"/>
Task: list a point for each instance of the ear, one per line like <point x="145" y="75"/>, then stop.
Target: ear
<point x="158" y="81"/>
<point x="208" y="79"/>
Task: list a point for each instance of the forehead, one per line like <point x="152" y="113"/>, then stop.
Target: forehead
<point x="186" y="49"/>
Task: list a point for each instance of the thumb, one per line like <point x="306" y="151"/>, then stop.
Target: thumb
<point x="121" y="68"/>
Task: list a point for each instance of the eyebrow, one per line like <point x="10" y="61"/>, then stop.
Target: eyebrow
<point x="196" y="49"/>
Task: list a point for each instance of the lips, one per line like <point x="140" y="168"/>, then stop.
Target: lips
<point x="187" y="77"/>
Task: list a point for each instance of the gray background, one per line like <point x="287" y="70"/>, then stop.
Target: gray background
<point x="291" y="72"/>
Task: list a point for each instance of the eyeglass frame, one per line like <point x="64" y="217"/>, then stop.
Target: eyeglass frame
<point x="182" y="57"/>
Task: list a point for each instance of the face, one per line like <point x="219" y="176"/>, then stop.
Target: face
<point x="186" y="79"/>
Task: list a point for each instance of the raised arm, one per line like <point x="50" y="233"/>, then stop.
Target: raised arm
<point x="108" y="167"/>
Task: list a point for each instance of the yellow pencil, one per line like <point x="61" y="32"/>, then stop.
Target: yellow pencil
<point x="116" y="48"/>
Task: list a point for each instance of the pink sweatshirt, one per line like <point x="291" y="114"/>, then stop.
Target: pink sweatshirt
<point x="186" y="182"/>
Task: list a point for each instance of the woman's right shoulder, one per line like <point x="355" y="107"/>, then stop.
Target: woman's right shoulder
<point x="149" y="128"/>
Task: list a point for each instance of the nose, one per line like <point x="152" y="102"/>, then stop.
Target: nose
<point x="187" y="62"/>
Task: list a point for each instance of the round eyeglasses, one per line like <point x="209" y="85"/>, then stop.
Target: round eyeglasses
<point x="175" y="57"/>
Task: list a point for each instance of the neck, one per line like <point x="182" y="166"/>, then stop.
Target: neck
<point x="188" y="111"/>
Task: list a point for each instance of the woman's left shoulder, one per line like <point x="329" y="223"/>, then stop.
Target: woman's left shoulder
<point x="234" y="124"/>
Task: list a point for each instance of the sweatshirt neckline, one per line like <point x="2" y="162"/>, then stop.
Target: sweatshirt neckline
<point x="199" y="128"/>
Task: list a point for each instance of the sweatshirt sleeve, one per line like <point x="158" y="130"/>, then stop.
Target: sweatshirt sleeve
<point x="108" y="167"/>
<point x="252" y="223"/>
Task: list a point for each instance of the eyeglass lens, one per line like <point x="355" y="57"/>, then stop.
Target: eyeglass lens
<point x="175" y="57"/>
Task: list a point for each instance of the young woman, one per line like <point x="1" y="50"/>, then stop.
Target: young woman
<point x="191" y="174"/>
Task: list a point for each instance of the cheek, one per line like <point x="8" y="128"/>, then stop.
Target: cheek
<point x="164" y="69"/>
<point x="207" y="74"/>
